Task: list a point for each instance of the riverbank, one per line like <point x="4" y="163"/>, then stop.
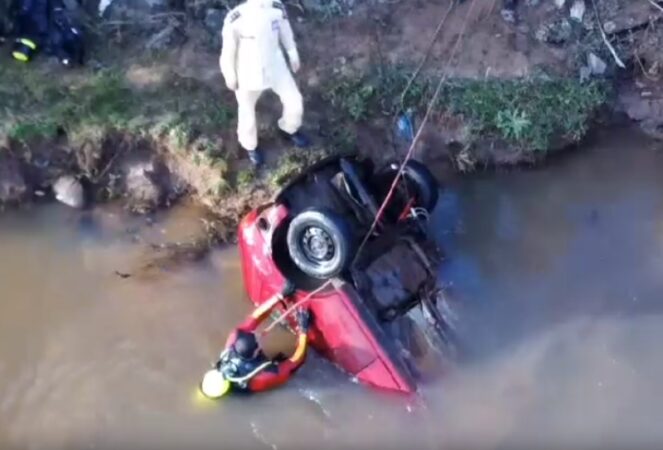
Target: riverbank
<point x="148" y="121"/>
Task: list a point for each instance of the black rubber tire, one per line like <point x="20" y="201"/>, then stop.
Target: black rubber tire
<point x="419" y="180"/>
<point x="426" y="186"/>
<point x="336" y="231"/>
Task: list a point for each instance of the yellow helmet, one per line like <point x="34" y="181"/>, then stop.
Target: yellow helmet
<point x="214" y="385"/>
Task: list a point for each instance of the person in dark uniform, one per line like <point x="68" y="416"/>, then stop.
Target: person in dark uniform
<point x="509" y="10"/>
<point x="243" y="366"/>
<point x="46" y="25"/>
<point x="5" y="14"/>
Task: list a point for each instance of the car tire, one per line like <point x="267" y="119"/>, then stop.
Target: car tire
<point x="320" y="243"/>
<point x="424" y="183"/>
<point x="419" y="179"/>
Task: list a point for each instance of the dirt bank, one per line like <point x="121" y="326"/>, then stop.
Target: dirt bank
<point x="148" y="120"/>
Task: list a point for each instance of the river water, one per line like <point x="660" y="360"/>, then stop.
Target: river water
<point x="556" y="273"/>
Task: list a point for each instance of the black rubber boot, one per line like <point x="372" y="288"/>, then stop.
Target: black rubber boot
<point x="298" y="138"/>
<point x="255" y="156"/>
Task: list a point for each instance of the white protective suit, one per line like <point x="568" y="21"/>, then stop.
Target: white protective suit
<point x="252" y="61"/>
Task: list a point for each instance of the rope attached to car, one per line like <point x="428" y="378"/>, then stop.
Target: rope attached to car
<point x="294" y="307"/>
<point x="410" y="152"/>
<point x="427" y="53"/>
<point x="408" y="156"/>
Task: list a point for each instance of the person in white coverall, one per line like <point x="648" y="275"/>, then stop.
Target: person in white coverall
<point x="252" y="61"/>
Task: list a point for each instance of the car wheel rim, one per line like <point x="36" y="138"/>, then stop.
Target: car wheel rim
<point x="317" y="245"/>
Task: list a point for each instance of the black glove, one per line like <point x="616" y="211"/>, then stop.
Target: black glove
<point x="303" y="319"/>
<point x="288" y="289"/>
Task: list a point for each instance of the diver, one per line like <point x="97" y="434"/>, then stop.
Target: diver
<point x="243" y="366"/>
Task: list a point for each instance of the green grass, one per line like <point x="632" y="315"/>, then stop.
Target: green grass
<point x="293" y="162"/>
<point x="529" y="113"/>
<point x="245" y="178"/>
<point x="27" y="130"/>
<point x="377" y="92"/>
<point x="41" y="106"/>
<point x="36" y="105"/>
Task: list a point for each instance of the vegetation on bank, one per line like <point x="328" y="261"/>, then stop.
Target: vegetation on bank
<point x="39" y="106"/>
<point x="182" y="116"/>
<point x="527" y="113"/>
<point x="177" y="114"/>
<point x="85" y="108"/>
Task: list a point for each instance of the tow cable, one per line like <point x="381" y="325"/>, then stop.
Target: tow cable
<point x="420" y="129"/>
<point x="294" y="307"/>
<point x="410" y="152"/>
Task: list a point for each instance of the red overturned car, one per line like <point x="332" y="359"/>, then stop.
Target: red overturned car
<point x="375" y="310"/>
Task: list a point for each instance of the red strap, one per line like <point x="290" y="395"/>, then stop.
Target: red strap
<point x="406" y="211"/>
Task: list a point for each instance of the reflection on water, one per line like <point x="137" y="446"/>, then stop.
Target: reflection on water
<point x="559" y="274"/>
<point x="557" y="271"/>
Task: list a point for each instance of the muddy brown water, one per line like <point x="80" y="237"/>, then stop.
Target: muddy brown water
<point x="556" y="271"/>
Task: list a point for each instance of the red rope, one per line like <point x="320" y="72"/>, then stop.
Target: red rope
<point x="408" y="156"/>
<point x="406" y="212"/>
<point x="410" y="152"/>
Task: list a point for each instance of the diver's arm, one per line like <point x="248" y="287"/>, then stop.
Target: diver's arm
<point x="298" y="356"/>
<point x="252" y="322"/>
<point x="261" y="313"/>
<point x="269" y="379"/>
<point x="266" y="379"/>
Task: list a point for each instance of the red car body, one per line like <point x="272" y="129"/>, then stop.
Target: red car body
<point x="343" y="330"/>
<point x="379" y="319"/>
